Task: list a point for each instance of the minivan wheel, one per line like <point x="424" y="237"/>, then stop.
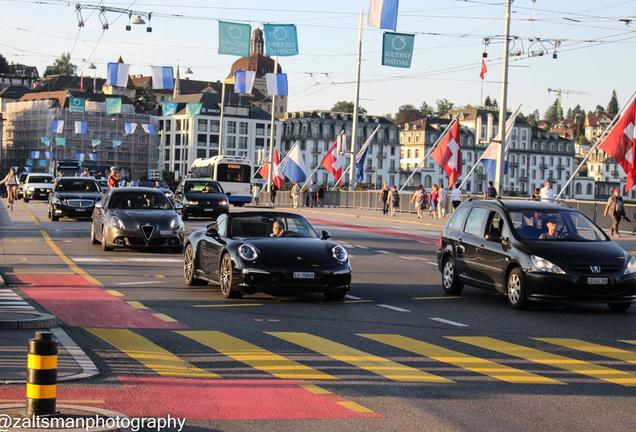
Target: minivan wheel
<point x="450" y="278"/>
<point x="619" y="307"/>
<point x="516" y="289"/>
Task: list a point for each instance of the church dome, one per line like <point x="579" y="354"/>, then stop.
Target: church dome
<point x="257" y="61"/>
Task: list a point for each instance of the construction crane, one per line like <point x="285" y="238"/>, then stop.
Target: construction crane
<point x="560" y="92"/>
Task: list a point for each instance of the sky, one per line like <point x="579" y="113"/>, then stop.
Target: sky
<point x="595" y="54"/>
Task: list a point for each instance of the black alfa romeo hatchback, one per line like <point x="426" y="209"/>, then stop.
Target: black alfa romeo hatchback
<point x="534" y="251"/>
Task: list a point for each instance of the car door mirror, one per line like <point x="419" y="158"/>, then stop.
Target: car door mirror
<point x="493" y="237"/>
<point x="505" y="242"/>
<point x="212" y="232"/>
<point x="325" y="235"/>
<point x="228" y="193"/>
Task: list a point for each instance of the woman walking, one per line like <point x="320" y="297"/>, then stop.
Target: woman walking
<point x="616" y="210"/>
<point x="295" y="194"/>
<point x="434" y="201"/>
<point x="394" y="200"/>
<point x="441" y="204"/>
<point x="419" y="198"/>
<point x="384" y="197"/>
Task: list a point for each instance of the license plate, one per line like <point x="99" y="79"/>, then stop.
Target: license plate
<point x="208" y="209"/>
<point x="80" y="209"/>
<point x="597" y="281"/>
<point x="304" y="275"/>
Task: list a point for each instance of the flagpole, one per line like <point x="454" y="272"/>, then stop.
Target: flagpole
<point x="598" y="142"/>
<point x="317" y="166"/>
<point x="472" y="170"/>
<point x="499" y="171"/>
<point x="356" y="107"/>
<point x="362" y="149"/>
<point x="270" y="172"/>
<point x="220" y="147"/>
<point x="429" y="153"/>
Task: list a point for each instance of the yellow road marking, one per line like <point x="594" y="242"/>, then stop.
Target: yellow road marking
<point x="226" y="305"/>
<point x="115" y="293"/>
<point x="137" y="305"/>
<point x="160" y="276"/>
<point x="354" y="406"/>
<point x="592" y="348"/>
<point x="255" y="356"/>
<point x="437" y="298"/>
<point x="315" y="389"/>
<point x="377" y="365"/>
<point x="149" y="354"/>
<point x="633" y="342"/>
<point x="464" y="361"/>
<point x="69" y="262"/>
<point x="165" y="318"/>
<point x="34" y="219"/>
<point x="542" y="357"/>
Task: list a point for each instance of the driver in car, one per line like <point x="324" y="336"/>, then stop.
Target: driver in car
<point x="278" y="229"/>
<point x="206" y="189"/>
<point x="551" y="234"/>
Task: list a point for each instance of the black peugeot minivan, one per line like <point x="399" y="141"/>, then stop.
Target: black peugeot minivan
<point x="534" y="251"/>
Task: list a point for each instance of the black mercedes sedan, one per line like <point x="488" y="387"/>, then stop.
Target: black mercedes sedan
<point x="261" y="251"/>
<point x="534" y="251"/>
<point x="201" y="198"/>
<point x="73" y="197"/>
<point x="137" y="218"/>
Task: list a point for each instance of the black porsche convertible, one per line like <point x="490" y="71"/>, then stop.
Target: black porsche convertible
<point x="263" y="251"/>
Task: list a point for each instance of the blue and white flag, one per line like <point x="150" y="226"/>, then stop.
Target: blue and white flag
<point x="45" y="140"/>
<point x="383" y="14"/>
<point x="361" y="157"/>
<point x="129" y="128"/>
<point x="162" y="77"/>
<point x="81" y="127"/>
<point x="294" y="165"/>
<point x="48" y="155"/>
<point x="35" y="154"/>
<point x="79" y="157"/>
<point x="244" y="81"/>
<point x="149" y="128"/>
<point x="92" y="157"/>
<point x="117" y="74"/>
<point x="57" y="126"/>
<point x="276" y="84"/>
<point x="42" y="162"/>
<point x="491" y="154"/>
<point x="169" y="108"/>
<point x="116" y="143"/>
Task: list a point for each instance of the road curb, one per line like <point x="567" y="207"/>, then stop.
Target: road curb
<point x="29" y="320"/>
<point x="66" y="411"/>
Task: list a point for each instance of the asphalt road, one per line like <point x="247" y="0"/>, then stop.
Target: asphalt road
<point x="396" y="355"/>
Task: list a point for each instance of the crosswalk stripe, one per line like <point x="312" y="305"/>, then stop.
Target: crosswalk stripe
<point x="592" y="348"/>
<point x="255" y="356"/>
<point x="542" y="357"/>
<point x="149" y="354"/>
<point x="461" y="360"/>
<point x="377" y="365"/>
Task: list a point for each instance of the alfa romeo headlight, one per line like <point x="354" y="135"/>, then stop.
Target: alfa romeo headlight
<point x="543" y="265"/>
<point x="116" y="222"/>
<point x="176" y="223"/>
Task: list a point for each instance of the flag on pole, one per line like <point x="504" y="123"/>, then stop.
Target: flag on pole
<point x="334" y="162"/>
<point x="42" y="162"/>
<point x="81" y="127"/>
<point x="129" y="128"/>
<point x="276" y="84"/>
<point x="491" y="154"/>
<point x="45" y="140"/>
<point x="620" y="144"/>
<point x="361" y="157"/>
<point x="116" y="143"/>
<point x="294" y="165"/>
<point x="117" y="74"/>
<point x="95" y="143"/>
<point x="79" y="157"/>
<point x="278" y="180"/>
<point x="162" y="77"/>
<point x="244" y="81"/>
<point x="57" y="126"/>
<point x="48" y="155"/>
<point x="193" y="109"/>
<point x="35" y="154"/>
<point x="113" y="105"/>
<point x="448" y="153"/>
<point x="383" y="14"/>
<point x="29" y="162"/>
<point x="60" y="141"/>
<point x="169" y="108"/>
<point x="149" y="128"/>
<point x="484" y="69"/>
<point x="92" y="157"/>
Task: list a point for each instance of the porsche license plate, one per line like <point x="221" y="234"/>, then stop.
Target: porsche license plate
<point x="304" y="275"/>
<point x="597" y="281"/>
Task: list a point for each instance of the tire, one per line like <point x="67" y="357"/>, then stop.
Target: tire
<point x="25" y="199"/>
<point x="516" y="292"/>
<point x="105" y="246"/>
<point x="93" y="238"/>
<point x="226" y="279"/>
<point x="184" y="216"/>
<point x="450" y="279"/>
<point x="48" y="214"/>
<point x="336" y="295"/>
<point x="619" y="307"/>
<point x="55" y="218"/>
<point x="189" y="267"/>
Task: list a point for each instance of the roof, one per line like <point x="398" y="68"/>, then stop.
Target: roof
<point x="256" y="62"/>
<point x="332" y="115"/>
<point x="471" y="113"/>
<point x="14" y="92"/>
<point x="527" y="204"/>
<point x="29" y="71"/>
<point x="69" y="82"/>
<point x="61" y="96"/>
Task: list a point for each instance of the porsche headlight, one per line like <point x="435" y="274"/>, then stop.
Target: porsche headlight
<point x="116" y="222"/>
<point x="631" y="266"/>
<point x="176" y="223"/>
<point x="247" y="252"/>
<point x="340" y="254"/>
<point x="543" y="265"/>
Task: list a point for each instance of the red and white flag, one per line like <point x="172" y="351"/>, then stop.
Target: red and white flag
<point x="484" y="69"/>
<point x="333" y="162"/>
<point x="263" y="171"/>
<point x="448" y="153"/>
<point x="620" y="144"/>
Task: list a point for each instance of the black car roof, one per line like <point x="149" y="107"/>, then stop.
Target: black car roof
<point x="264" y="213"/>
<point x="513" y="205"/>
<point x="134" y="189"/>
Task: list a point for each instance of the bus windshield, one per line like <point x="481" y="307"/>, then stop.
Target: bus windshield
<point x="237" y="173"/>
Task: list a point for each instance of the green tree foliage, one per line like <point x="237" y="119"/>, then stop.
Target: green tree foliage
<point x="407" y="113"/>
<point x="4" y="66"/>
<point x="533" y="118"/>
<point x="599" y="110"/>
<point x="347" y="107"/>
<point x="426" y="109"/>
<point x="61" y="66"/>
<point x="443" y="106"/>
<point x="612" y="106"/>
<point x="490" y="103"/>
<point x="554" y="113"/>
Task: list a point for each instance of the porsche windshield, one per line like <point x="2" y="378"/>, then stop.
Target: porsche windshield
<point x="270" y="226"/>
<point x="566" y="225"/>
<point x="139" y="201"/>
<point x="77" y="186"/>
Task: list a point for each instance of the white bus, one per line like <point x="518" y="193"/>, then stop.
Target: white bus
<point x="234" y="173"/>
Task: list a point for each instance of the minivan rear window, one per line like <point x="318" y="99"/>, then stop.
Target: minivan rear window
<point x="458" y="218"/>
<point x="476" y="220"/>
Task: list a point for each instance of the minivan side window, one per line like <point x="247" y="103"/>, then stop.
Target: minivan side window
<point x="457" y="220"/>
<point x="497" y="225"/>
<point x="476" y="221"/>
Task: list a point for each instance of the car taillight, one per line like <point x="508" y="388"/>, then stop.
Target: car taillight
<point x="439" y="243"/>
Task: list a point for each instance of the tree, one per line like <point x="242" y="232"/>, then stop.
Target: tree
<point x="407" y="113"/>
<point x="347" y="107"/>
<point x="612" y="106"/>
<point x="61" y="66"/>
<point x="599" y="111"/>
<point x="389" y="116"/>
<point x="578" y="116"/>
<point x="4" y="66"/>
<point x="487" y="102"/>
<point x="569" y="114"/>
<point x="443" y="106"/>
<point x="533" y="118"/>
<point x="426" y="109"/>
<point x="554" y="113"/>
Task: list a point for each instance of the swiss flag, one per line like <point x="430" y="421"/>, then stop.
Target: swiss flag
<point x="333" y="162"/>
<point x="263" y="171"/>
<point x="448" y="153"/>
<point x="620" y="143"/>
<point x="484" y="69"/>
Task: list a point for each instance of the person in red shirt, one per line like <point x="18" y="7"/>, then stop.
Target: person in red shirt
<point x="113" y="178"/>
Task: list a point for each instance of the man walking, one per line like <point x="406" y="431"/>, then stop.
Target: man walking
<point x="491" y="192"/>
<point x="615" y="209"/>
<point x="456" y="196"/>
<point x="256" y="193"/>
<point x="546" y="193"/>
<point x="384" y="197"/>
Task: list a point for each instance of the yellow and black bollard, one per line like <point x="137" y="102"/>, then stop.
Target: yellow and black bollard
<point x="41" y="375"/>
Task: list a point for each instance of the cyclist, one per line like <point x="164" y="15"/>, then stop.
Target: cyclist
<point x="11" y="182"/>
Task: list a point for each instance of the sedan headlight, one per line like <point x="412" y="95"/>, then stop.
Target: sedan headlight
<point x="340" y="254"/>
<point x="176" y="223"/>
<point x="30" y="188"/>
<point x="247" y="252"/>
<point x="116" y="222"/>
<point x="543" y="265"/>
<point x="631" y="266"/>
<point x="191" y="202"/>
<point x="56" y="201"/>
<point x="223" y="202"/>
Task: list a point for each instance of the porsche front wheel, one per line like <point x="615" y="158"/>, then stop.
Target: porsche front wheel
<point x="226" y="278"/>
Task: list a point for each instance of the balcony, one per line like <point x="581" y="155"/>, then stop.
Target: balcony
<point x="392" y="170"/>
<point x="370" y="169"/>
<point x="543" y="166"/>
<point x="523" y="179"/>
<point x="513" y="164"/>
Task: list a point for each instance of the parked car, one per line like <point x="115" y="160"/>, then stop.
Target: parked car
<point x="73" y="197"/>
<point x="37" y="186"/>
<point x="201" y="198"/>
<point x="534" y="251"/>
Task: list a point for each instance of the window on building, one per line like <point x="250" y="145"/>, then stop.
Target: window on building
<point x="427" y="181"/>
<point x="392" y="151"/>
<point x="202" y="125"/>
<point x="201" y="153"/>
<point x="230" y="141"/>
<point x="259" y="142"/>
<point x="260" y="129"/>
<point x="214" y="139"/>
<point x="243" y="128"/>
<point x="231" y="127"/>
<point x="408" y="154"/>
<point x="201" y="140"/>
<point x="326" y="131"/>
<point x="166" y="155"/>
<point x="243" y="142"/>
<point x="214" y="126"/>
<point x="177" y="154"/>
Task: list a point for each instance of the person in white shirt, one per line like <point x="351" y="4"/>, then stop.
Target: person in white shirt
<point x="256" y="193"/>
<point x="546" y="193"/>
<point x="456" y="196"/>
<point x="441" y="205"/>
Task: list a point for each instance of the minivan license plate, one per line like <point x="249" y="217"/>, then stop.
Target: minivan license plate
<point x="597" y="281"/>
<point x="304" y="275"/>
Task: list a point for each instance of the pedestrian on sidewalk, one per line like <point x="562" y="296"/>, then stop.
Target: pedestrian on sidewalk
<point x="313" y="193"/>
<point x="321" y="195"/>
<point x="434" y="201"/>
<point x="295" y="194"/>
<point x="419" y="199"/>
<point x="441" y="205"/>
<point x="491" y="192"/>
<point x="547" y="193"/>
<point x="272" y="194"/>
<point x="615" y="209"/>
<point x="456" y="196"/>
<point x="113" y="178"/>
<point x="394" y="200"/>
<point x="536" y="194"/>
<point x="256" y="193"/>
<point x="384" y="197"/>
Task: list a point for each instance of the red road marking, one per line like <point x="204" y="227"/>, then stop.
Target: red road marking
<point x="382" y="231"/>
<point x="79" y="303"/>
